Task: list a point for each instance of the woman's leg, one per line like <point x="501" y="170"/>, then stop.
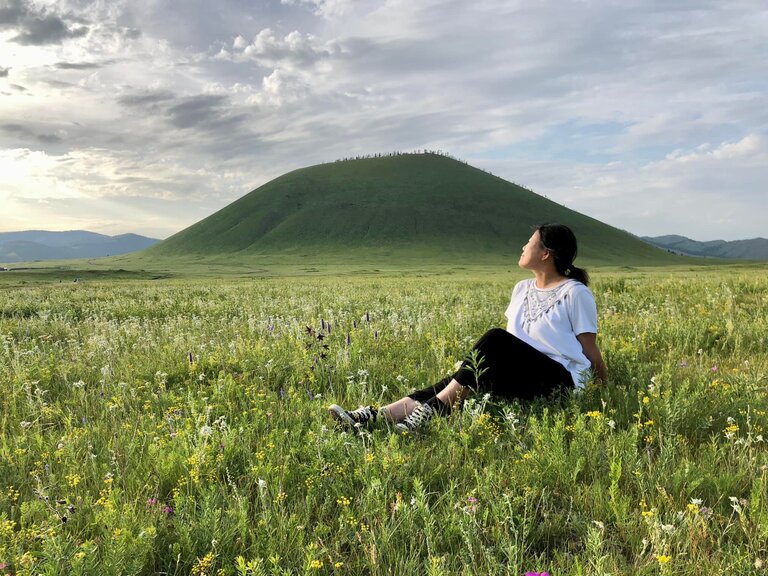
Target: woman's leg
<point x="510" y="368"/>
<point x="453" y="393"/>
<point x="399" y="410"/>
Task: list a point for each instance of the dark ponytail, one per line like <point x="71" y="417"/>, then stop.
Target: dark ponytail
<point x="561" y="243"/>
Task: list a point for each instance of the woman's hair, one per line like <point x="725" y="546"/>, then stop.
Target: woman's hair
<point x="561" y="243"/>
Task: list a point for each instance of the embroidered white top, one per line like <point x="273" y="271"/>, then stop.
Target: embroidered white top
<point x="550" y="319"/>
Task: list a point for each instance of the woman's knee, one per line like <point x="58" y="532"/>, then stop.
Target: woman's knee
<point x="492" y="336"/>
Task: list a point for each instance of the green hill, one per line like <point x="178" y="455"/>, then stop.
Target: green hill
<point x="401" y="207"/>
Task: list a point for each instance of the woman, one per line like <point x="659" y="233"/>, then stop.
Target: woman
<point x="550" y="343"/>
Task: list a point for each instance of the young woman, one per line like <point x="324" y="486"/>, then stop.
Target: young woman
<point x="550" y="343"/>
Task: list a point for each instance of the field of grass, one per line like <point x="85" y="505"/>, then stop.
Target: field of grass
<point x="179" y="427"/>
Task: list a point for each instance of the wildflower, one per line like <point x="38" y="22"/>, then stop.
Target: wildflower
<point x="647" y="513"/>
<point x="594" y="414"/>
<point x="151" y="501"/>
<point x="646" y="400"/>
<point x="683" y="364"/>
<point x="206" y="431"/>
<point x="663" y="559"/>
<point x="316" y="564"/>
<point x="25" y="425"/>
<point x="78" y="384"/>
<point x="537" y="574"/>
<point x="167" y="510"/>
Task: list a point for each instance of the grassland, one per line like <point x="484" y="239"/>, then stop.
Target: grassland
<point x="179" y="427"/>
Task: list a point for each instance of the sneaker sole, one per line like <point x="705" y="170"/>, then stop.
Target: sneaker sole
<point x="340" y="415"/>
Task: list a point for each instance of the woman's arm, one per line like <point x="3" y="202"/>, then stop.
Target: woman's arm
<point x="588" y="341"/>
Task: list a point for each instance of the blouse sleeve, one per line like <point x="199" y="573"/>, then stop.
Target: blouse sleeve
<point x="583" y="311"/>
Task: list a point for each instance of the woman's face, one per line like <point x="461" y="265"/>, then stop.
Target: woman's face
<point x="534" y="253"/>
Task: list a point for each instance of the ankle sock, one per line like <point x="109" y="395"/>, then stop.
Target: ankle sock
<point x="438" y="406"/>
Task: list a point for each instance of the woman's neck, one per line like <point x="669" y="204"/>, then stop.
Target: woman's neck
<point x="548" y="278"/>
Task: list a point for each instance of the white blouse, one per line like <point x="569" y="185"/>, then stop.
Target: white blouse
<point x="550" y="319"/>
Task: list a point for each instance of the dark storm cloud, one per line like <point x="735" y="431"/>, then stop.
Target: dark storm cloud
<point x="38" y="27"/>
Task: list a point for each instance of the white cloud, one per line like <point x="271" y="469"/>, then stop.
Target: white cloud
<point x="280" y="88"/>
<point x="267" y="48"/>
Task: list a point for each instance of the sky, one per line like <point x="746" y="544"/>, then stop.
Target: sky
<point x="146" y="116"/>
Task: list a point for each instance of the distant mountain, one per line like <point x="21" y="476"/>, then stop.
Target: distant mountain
<point x="43" y="245"/>
<point x="423" y="207"/>
<point x="754" y="249"/>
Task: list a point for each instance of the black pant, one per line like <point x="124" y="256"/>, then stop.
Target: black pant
<point x="508" y="367"/>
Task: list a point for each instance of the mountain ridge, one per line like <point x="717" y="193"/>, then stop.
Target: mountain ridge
<point x="31" y="245"/>
<point x="749" y="249"/>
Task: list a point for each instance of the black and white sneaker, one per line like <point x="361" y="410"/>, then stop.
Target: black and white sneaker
<point x="417" y="419"/>
<point x="359" y="418"/>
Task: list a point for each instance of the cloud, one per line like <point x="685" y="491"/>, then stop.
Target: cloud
<point x="324" y="8"/>
<point x="38" y="26"/>
<point x="29" y="135"/>
<point x="280" y="88"/>
<point x="4" y="72"/>
<point x="80" y="65"/>
<point x="270" y="49"/>
<point x="749" y="146"/>
<point x="146" y="98"/>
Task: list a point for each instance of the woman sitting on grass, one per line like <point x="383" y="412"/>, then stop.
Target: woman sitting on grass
<point x="549" y="346"/>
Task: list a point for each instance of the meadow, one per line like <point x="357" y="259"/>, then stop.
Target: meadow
<point x="180" y="427"/>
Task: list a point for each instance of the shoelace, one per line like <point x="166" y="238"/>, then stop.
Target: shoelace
<point x="362" y="414"/>
<point x="418" y="416"/>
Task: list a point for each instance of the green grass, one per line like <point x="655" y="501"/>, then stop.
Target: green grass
<point x="120" y="456"/>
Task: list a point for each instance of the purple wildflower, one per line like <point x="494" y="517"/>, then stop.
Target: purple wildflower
<point x="167" y="510"/>
<point x="151" y="501"/>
